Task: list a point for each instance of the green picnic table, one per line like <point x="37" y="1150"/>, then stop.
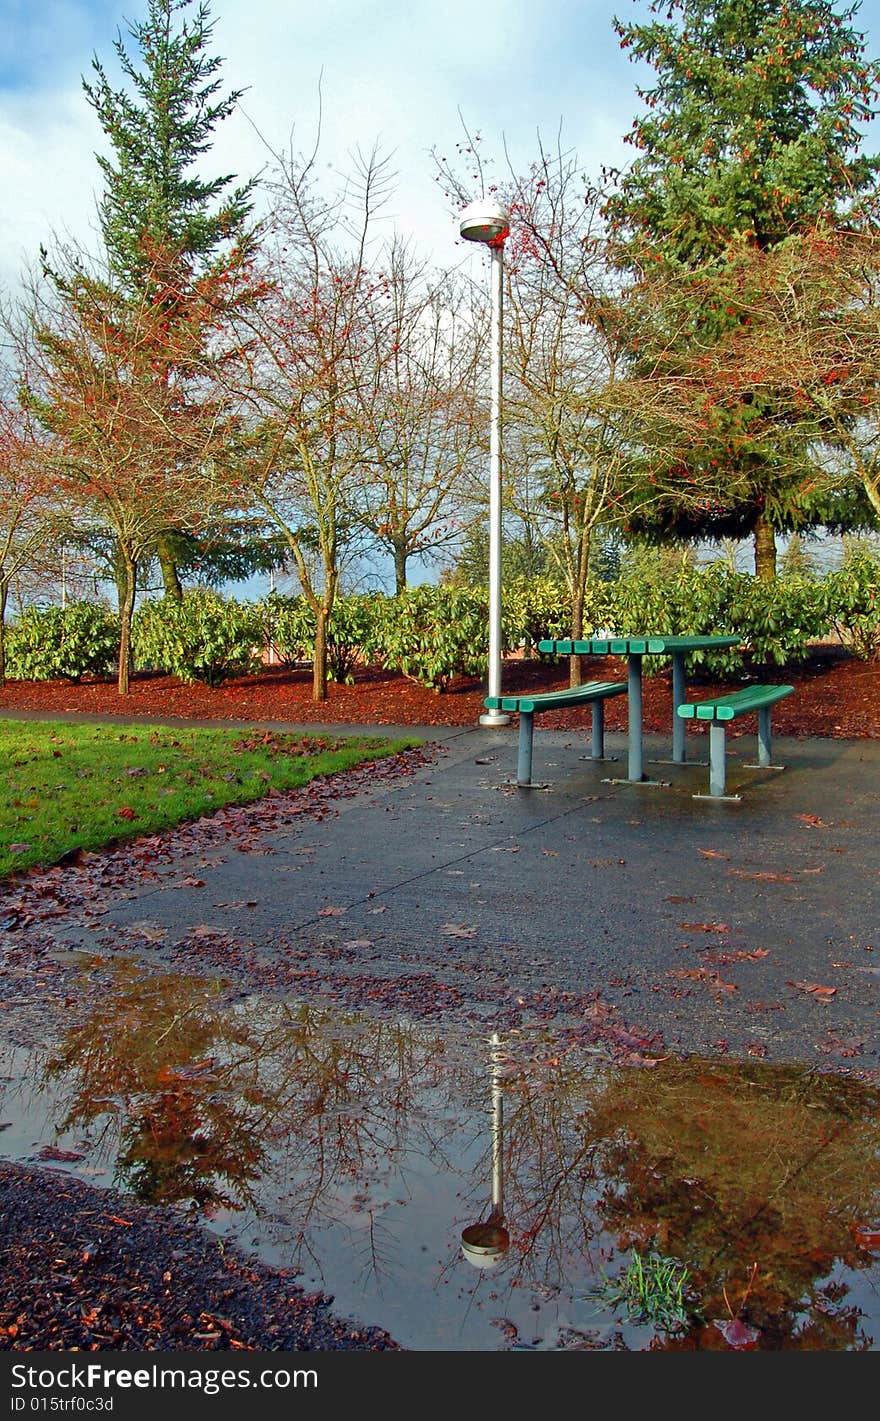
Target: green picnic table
<point x="635" y="648"/>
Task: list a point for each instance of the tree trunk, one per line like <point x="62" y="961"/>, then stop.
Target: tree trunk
<point x="581" y="573"/>
<point x="319" y="665"/>
<point x="400" y="560"/>
<point x="119" y="575"/>
<point x="4" y="593"/>
<point x="765" y="549"/>
<point x="126" y="612"/>
<point x="168" y="567"/>
<point x="576" y="663"/>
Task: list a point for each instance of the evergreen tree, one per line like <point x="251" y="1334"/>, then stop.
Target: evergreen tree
<point x="166" y="228"/>
<point x="158" y="127"/>
<point x="752" y="133"/>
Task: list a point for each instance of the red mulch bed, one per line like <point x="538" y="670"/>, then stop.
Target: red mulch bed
<point x="835" y="695"/>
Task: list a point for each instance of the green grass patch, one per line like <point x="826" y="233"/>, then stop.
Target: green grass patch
<point x="652" y="1289"/>
<point x="73" y="786"/>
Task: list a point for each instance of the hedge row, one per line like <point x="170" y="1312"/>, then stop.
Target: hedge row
<point x="434" y="634"/>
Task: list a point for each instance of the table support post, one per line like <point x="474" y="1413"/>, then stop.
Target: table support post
<point x="679" y="725"/>
<point x="634" y="697"/>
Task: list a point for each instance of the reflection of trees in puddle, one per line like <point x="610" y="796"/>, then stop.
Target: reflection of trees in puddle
<point x="720" y="1165"/>
<point x="322" y="1118"/>
<point x="727" y="1165"/>
<point x="197" y="1100"/>
<point x="152" y="1066"/>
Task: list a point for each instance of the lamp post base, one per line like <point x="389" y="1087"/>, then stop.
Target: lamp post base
<point x="492" y="718"/>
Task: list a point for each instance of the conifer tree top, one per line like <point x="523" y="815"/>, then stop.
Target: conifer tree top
<point x="159" y="124"/>
<point x="754" y="125"/>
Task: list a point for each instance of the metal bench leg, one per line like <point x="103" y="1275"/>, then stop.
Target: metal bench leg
<point x="598" y="737"/>
<point x="764" y="761"/>
<point x="717" y="763"/>
<point x="524" y="752"/>
<point x="717" y="758"/>
<point x="764" y="736"/>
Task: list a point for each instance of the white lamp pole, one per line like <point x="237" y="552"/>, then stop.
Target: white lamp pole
<point x="488" y="222"/>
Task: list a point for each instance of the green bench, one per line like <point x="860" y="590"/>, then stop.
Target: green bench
<point x="594" y="694"/>
<point x="725" y="708"/>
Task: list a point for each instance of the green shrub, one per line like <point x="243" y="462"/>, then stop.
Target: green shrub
<point x="353" y="635"/>
<point x="537" y="608"/>
<point x="48" y="643"/>
<point x="289" y="625"/>
<point x="776" y="621"/>
<point x="202" y="637"/>
<point x="433" y="634"/>
<point x="852" y="602"/>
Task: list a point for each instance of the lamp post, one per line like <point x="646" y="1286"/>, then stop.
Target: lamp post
<point x="488" y="222"/>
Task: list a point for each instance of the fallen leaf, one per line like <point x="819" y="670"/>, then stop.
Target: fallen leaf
<point x="17" y="848"/>
<point x="126" y="812"/>
<point x="150" y="932"/>
<point x="812" y="821"/>
<point x="457" y="930"/>
<point x="189" y="882"/>
<point x="702" y="974"/>
<point x="722" y="959"/>
<point x="706" y="927"/>
<point x="762" y="877"/>
<point x="736" y="1333"/>
<point x="815" y="988"/>
<point x="712" y="854"/>
<point x="52" y="1152"/>
<point x="331" y="912"/>
<point x="834" y="1046"/>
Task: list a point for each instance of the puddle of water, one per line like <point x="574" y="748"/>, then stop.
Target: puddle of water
<point x="360" y="1152"/>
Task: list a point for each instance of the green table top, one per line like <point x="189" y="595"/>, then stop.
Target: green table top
<point x="643" y="645"/>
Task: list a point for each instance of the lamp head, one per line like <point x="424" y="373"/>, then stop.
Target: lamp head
<point x="484" y="221"/>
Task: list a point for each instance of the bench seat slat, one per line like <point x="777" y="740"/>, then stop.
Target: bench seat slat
<point x="550" y="700"/>
<point x="749" y="699"/>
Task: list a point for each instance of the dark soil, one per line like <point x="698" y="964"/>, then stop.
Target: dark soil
<point x="87" y="1269"/>
<point x="835" y="695"/>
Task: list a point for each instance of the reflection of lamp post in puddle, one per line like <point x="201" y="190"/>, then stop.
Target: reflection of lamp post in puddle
<point x="485" y="1243"/>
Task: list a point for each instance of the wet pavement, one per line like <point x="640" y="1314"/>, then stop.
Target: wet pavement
<point x="752" y="927"/>
<point x="656" y="1016"/>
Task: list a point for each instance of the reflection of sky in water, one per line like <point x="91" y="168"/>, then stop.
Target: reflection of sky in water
<point x="356" y="1152"/>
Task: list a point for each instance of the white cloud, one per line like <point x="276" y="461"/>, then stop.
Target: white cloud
<point x="396" y="71"/>
<point x="48" y="174"/>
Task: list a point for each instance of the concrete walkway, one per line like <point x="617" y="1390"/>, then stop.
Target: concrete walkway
<point x="750" y="926"/>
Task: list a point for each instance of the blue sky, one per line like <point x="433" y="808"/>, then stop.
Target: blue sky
<point x="396" y="72"/>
